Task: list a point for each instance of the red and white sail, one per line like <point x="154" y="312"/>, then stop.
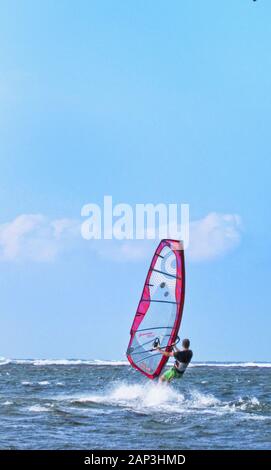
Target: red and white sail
<point x="159" y="312"/>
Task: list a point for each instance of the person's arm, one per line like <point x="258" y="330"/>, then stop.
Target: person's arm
<point x="165" y="353"/>
<point x="175" y="348"/>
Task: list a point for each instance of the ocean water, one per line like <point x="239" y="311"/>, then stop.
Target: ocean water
<point x="74" y="404"/>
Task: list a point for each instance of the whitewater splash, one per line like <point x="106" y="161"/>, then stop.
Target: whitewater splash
<point x="157" y="399"/>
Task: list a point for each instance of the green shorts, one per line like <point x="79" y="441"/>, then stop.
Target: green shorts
<point x="172" y="374"/>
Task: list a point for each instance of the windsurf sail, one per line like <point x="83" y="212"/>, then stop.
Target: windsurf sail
<point x="159" y="312"/>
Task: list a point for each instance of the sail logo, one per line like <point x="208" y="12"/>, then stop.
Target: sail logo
<point x="148" y="334"/>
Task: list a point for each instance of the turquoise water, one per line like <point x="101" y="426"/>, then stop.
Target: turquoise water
<point x="108" y="405"/>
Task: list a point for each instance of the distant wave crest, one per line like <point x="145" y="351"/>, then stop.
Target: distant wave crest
<point x="230" y="364"/>
<point x="62" y="362"/>
<point x="99" y="362"/>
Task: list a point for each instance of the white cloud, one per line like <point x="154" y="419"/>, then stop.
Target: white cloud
<point x="209" y="238"/>
<point x="213" y="236"/>
<point x="35" y="237"/>
<point x="123" y="251"/>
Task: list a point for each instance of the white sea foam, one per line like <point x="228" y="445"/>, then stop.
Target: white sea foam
<point x="138" y="398"/>
<point x="248" y="403"/>
<point x="41" y="382"/>
<point x="255" y="417"/>
<point x="152" y="398"/>
<point x="99" y="362"/>
<point x="4" y="361"/>
<point x="201" y="400"/>
<point x="38" y="409"/>
<point x="57" y="362"/>
<point x="158" y="399"/>
<point x="68" y="362"/>
<point x="72" y="362"/>
<point x="230" y="364"/>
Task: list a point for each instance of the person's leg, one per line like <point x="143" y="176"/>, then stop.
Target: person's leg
<point x="162" y="379"/>
<point x="167" y="376"/>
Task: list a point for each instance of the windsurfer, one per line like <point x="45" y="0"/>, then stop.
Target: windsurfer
<point x="183" y="357"/>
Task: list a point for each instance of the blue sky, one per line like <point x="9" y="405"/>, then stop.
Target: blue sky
<point x="147" y="102"/>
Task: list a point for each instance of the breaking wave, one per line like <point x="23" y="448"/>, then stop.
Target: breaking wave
<point x="62" y="362"/>
<point x="99" y="362"/>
